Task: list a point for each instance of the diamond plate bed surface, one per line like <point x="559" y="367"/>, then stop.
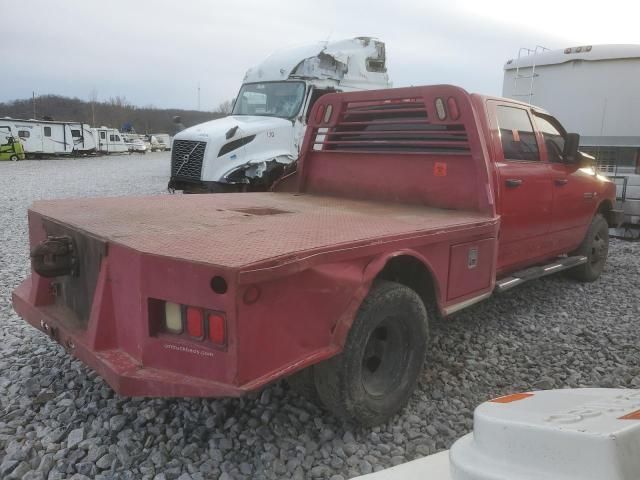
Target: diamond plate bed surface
<point x="236" y="230"/>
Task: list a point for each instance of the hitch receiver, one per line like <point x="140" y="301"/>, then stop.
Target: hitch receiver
<point x="54" y="257"/>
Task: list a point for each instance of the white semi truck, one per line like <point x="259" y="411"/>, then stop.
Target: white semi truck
<point x="255" y="145"/>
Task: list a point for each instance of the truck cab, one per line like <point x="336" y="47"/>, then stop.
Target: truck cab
<point x="261" y="139"/>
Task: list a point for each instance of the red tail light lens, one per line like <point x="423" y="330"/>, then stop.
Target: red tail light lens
<point x="217" y="328"/>
<point x="195" y="322"/>
<point x="454" y="111"/>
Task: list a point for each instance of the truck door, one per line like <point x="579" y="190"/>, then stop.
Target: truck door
<point x="575" y="195"/>
<point x="524" y="187"/>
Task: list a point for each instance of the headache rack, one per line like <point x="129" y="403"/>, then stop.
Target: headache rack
<point x="400" y="125"/>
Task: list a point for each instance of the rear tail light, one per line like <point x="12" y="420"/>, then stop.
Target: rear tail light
<point x="452" y="106"/>
<point x="217" y="328"/>
<point x="195" y="322"/>
<point x="173" y="317"/>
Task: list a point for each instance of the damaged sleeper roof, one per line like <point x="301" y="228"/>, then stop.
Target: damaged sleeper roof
<point x="357" y="62"/>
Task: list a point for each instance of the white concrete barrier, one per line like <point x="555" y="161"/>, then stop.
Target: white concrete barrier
<point x="581" y="434"/>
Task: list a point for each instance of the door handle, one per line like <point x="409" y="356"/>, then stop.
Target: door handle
<point x="513" y="182"/>
<point x="561" y="182"/>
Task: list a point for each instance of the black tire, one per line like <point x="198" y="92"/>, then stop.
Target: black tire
<point x="14" y="158"/>
<point x="595" y="247"/>
<point x="375" y="374"/>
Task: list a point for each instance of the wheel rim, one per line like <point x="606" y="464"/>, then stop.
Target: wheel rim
<point x="385" y="357"/>
<point x="599" y="248"/>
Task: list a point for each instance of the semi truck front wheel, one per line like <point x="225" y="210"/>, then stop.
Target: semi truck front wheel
<point x="375" y="374"/>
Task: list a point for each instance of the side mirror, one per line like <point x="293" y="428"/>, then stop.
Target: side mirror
<point x="571" y="144"/>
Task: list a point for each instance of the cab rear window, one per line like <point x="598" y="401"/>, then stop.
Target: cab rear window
<point x="516" y="134"/>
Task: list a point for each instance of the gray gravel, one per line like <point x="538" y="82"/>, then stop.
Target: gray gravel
<point x="60" y="420"/>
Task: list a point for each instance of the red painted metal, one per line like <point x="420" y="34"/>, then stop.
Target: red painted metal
<point x="297" y="263"/>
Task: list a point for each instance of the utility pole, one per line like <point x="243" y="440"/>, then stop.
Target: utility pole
<point x="33" y="98"/>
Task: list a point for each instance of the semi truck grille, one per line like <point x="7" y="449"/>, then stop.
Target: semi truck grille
<point x="186" y="159"/>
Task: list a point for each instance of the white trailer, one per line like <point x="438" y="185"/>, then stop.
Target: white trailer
<point x="42" y="137"/>
<point x="109" y="140"/>
<point x="84" y="141"/>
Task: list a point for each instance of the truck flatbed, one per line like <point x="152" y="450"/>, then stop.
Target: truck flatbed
<point x="249" y="230"/>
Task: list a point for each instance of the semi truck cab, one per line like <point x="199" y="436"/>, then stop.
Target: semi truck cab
<point x="261" y="139"/>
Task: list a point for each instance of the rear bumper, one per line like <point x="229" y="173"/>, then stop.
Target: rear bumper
<point x="121" y="371"/>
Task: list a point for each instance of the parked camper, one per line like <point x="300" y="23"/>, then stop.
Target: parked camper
<point x="84" y="141"/>
<point x="250" y="149"/>
<point x="41" y="137"/>
<point x="10" y="146"/>
<point x="164" y="141"/>
<point x="109" y="140"/>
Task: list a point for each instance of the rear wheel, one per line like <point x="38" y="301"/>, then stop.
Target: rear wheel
<point x="595" y="247"/>
<point x="377" y="370"/>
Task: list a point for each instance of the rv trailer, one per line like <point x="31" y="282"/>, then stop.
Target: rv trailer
<point x="42" y="137"/>
<point x="84" y="141"/>
<point x="109" y="140"/>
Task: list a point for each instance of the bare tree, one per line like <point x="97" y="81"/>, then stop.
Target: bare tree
<point x="225" y="107"/>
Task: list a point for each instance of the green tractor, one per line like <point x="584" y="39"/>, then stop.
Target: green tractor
<point x="10" y="147"/>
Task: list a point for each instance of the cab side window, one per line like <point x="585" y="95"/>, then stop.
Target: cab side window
<point x="516" y="134"/>
<point x="315" y="96"/>
<point x="553" y="139"/>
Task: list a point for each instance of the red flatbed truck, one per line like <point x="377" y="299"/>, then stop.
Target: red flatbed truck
<point x="405" y="201"/>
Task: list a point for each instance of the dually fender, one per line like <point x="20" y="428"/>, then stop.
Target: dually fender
<point x="370" y="272"/>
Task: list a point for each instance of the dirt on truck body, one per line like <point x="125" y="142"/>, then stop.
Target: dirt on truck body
<point x="406" y="201"/>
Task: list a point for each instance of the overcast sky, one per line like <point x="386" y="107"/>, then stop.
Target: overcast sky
<point x="156" y="52"/>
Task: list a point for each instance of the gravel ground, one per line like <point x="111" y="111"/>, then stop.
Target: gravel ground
<point x="60" y="420"/>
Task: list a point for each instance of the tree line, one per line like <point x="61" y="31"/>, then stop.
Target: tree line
<point x="117" y="112"/>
